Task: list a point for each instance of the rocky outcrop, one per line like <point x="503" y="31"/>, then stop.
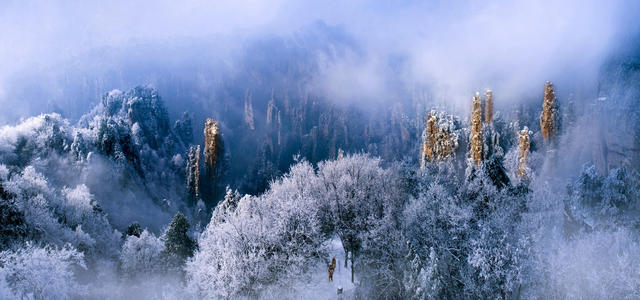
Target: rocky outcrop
<point x="133" y="127"/>
<point x="439" y="139"/>
<point x="143" y="111"/>
<point x="429" y="138"/>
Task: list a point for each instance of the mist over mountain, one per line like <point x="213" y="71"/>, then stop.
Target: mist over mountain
<point x="245" y="149"/>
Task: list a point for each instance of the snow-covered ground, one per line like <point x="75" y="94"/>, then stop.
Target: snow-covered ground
<point x="320" y="288"/>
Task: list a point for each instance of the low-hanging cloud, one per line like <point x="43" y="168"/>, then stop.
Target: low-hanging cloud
<point x="458" y="47"/>
<point x="451" y="48"/>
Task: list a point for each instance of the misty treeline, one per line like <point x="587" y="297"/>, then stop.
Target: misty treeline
<point x="538" y="202"/>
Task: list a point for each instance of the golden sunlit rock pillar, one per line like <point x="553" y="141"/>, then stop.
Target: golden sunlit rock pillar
<point x="548" y="116"/>
<point x="438" y="140"/>
<point x="488" y="107"/>
<point x="524" y="152"/>
<point x="429" y="138"/>
<point x="211" y="143"/>
<point x="210" y="187"/>
<point x="475" y="137"/>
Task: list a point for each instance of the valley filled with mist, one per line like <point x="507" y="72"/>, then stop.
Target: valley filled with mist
<point x="290" y="150"/>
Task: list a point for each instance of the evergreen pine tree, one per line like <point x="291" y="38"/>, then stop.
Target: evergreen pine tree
<point x="134" y="229"/>
<point x="178" y="246"/>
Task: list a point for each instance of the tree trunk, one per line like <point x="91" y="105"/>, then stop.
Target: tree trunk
<point x="346" y="257"/>
<point x="352" y="269"/>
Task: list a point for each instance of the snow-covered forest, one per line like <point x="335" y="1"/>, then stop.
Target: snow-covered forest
<point x="311" y="151"/>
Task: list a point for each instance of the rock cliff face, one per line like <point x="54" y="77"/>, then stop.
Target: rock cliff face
<point x="611" y="120"/>
<point x="248" y="111"/>
<point x="143" y="111"/>
<point x="611" y="148"/>
<point x="475" y="136"/>
<point x="549" y="115"/>
<point x="132" y="125"/>
<point x="124" y="151"/>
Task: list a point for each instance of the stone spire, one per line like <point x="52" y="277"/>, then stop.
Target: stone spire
<point x="475" y="137"/>
<point x="524" y="152"/>
<point x="211" y="143"/>
<point x="193" y="172"/>
<point x="488" y="107"/>
<point x="429" y="138"/>
<point x="548" y="116"/>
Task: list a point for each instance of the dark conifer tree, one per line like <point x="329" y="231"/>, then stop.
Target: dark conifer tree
<point x="178" y="246"/>
<point x="134" y="229"/>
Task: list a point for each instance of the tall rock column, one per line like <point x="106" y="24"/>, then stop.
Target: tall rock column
<point x="524" y="152"/>
<point x="211" y="143"/>
<point x="548" y="117"/>
<point x="488" y="107"/>
<point x="213" y="159"/>
<point x="193" y="172"/>
<point x="475" y="136"/>
<point x="429" y="138"/>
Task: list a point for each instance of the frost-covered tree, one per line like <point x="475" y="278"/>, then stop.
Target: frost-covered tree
<point x="34" y="139"/>
<point x="184" y="128"/>
<point x="37" y="200"/>
<point x="79" y="147"/>
<point x="598" y="265"/>
<point x="35" y="272"/>
<point x="12" y="224"/>
<point x="227" y="206"/>
<point x="596" y="201"/>
<point x="381" y="261"/>
<point x="355" y="190"/>
<point x="422" y="279"/>
<point x="265" y="241"/>
<point x="60" y="217"/>
<point x="437" y="221"/>
<point x="141" y="255"/>
<point x="496" y="250"/>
